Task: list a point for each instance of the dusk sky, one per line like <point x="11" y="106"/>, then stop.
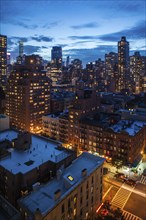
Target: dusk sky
<point x="85" y="29"/>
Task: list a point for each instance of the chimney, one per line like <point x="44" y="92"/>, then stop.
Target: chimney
<point x="57" y="194"/>
<point x="84" y="172"/>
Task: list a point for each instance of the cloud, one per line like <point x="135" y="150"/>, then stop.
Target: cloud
<point x="29" y="49"/>
<point x="50" y="25"/>
<point x="131" y="6"/>
<point x="136" y="32"/>
<point x="83" y="37"/>
<point x="87" y="25"/>
<point x="42" y="38"/>
<point x="20" y="23"/>
<point x="89" y="55"/>
<point x="62" y="45"/>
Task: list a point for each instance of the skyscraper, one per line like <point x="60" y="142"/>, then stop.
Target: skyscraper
<point x="3" y="61"/>
<point x="21" y="48"/>
<point x="56" y="56"/>
<point x="123" y="64"/>
<point x="27" y="98"/>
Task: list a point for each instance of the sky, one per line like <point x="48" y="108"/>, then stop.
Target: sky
<point x="86" y="30"/>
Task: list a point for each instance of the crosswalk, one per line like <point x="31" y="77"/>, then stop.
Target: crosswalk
<point x="143" y="180"/>
<point x="130" y="216"/>
<point x="121" y="198"/>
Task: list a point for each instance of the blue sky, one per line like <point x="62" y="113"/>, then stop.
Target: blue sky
<point x="85" y="29"/>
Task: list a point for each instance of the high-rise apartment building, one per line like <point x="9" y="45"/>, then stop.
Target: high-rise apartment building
<point x="27" y="98"/>
<point x="3" y="60"/>
<point x="111" y="67"/>
<point x="123" y="64"/>
<point x="137" y="70"/>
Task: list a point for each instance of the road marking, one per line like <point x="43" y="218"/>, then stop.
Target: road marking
<point x="107" y="191"/>
<point x="127" y="197"/>
<point x="143" y="180"/>
<point x="120" y="198"/>
<point x="130" y="216"/>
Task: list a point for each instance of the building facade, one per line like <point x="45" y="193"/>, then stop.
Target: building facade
<point x="75" y="193"/>
<point x="123" y="64"/>
<point x="27" y="98"/>
<point x="3" y="61"/>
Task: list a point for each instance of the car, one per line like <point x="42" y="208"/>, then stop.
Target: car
<point x="121" y="176"/>
<point x="130" y="182"/>
<point x="144" y="172"/>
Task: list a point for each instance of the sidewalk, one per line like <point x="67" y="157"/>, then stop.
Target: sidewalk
<point x="126" y="171"/>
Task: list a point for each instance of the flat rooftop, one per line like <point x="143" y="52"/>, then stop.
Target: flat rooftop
<point x="41" y="150"/>
<point x="43" y="197"/>
<point x="129" y="126"/>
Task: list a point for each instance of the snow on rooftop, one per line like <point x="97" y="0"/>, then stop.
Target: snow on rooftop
<point x="40" y="151"/>
<point x="129" y="126"/>
<point x="43" y="197"/>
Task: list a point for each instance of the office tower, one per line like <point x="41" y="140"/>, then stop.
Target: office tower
<point x="21" y="48"/>
<point x="55" y="68"/>
<point x="56" y="56"/>
<point x="20" y="58"/>
<point x="123" y="64"/>
<point x="3" y="61"/>
<point x="8" y="58"/>
<point x="27" y="98"/>
<point x="67" y="61"/>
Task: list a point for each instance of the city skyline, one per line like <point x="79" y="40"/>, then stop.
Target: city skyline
<point x="81" y="28"/>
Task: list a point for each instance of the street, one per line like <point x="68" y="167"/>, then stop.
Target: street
<point x="131" y="199"/>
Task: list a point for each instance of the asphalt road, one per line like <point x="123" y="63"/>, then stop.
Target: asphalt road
<point x="135" y="200"/>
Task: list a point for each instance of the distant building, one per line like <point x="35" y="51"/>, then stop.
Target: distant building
<point x="111" y="70"/>
<point x="87" y="103"/>
<point x="28" y="160"/>
<point x="27" y="97"/>
<point x="56" y="56"/>
<point x="2" y="101"/>
<point x="61" y="101"/>
<point x="75" y="193"/>
<point x="123" y="65"/>
<point x="50" y="125"/>
<point x="138" y="71"/>
<point x="21" y="50"/>
<point x="3" y="61"/>
<point x="56" y="126"/>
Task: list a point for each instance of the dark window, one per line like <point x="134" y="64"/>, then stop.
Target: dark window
<point x="62" y="208"/>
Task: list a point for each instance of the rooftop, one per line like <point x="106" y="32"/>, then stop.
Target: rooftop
<point x="71" y="177"/>
<point x="41" y="150"/>
<point x="129" y="126"/>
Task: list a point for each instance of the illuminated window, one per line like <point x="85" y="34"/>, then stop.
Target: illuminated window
<point x="70" y="178"/>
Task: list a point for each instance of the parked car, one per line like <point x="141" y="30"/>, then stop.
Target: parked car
<point x="144" y="172"/>
<point x="130" y="182"/>
<point x="121" y="176"/>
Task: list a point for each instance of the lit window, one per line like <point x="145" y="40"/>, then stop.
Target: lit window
<point x="70" y="178"/>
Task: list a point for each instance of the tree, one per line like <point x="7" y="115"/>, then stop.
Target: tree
<point x="117" y="163"/>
